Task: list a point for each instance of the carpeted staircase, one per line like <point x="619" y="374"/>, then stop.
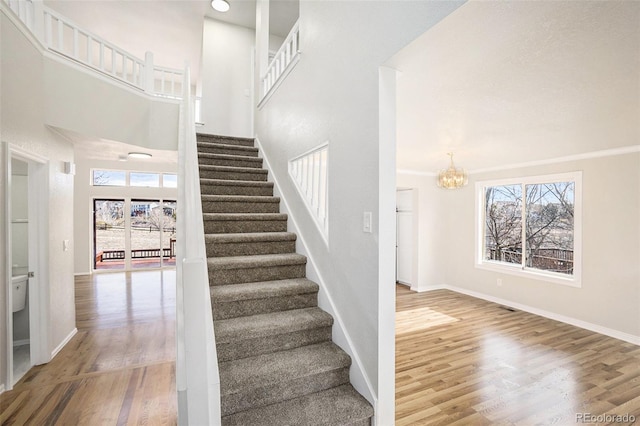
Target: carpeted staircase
<point x="278" y="365"/>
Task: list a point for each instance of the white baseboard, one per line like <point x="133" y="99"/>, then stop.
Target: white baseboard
<point x="357" y="374"/>
<point x="63" y="343"/>
<point x="1" y="388"/>
<point x="21" y="342"/>
<point x="616" y="334"/>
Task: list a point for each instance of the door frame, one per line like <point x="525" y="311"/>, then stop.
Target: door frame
<point x="38" y="246"/>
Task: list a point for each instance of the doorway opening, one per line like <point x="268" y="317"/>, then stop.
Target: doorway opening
<point x="26" y="262"/>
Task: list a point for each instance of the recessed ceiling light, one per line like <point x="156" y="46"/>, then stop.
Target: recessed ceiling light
<point x="220" y="5"/>
<point x="138" y="155"/>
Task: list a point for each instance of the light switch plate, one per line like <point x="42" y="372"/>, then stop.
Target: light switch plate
<point x="366" y="222"/>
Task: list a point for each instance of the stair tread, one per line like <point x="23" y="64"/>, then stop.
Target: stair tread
<point x="214" y="167"/>
<point x="232" y="138"/>
<point x="224" y="182"/>
<point x="262" y="289"/>
<point x="241" y="198"/>
<point x="341" y="405"/>
<point x="250" y="237"/>
<point x="256" y="261"/>
<point x="270" y="324"/>
<point x="206" y="144"/>
<point x="245" y="216"/>
<point x="229" y="157"/>
<point x="278" y="367"/>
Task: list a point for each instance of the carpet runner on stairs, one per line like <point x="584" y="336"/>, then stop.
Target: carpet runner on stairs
<point x="278" y="365"/>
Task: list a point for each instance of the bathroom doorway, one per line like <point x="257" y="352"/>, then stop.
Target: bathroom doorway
<point x="27" y="245"/>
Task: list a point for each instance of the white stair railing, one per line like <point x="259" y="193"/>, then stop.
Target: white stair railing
<point x="310" y="173"/>
<point x="61" y="35"/>
<point x="282" y="63"/>
<point x="197" y="375"/>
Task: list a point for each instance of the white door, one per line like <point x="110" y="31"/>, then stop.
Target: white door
<point x="404" y="236"/>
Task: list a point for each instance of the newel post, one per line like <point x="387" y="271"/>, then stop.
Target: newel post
<point x="148" y="73"/>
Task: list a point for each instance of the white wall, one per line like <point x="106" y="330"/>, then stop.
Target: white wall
<point x="77" y="100"/>
<point x="610" y="292"/>
<point x="227" y="79"/>
<point x="23" y="126"/>
<point x="430" y="214"/>
<point x="84" y="193"/>
<point x="332" y="95"/>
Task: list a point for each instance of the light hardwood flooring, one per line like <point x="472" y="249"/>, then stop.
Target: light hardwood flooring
<point x="465" y="361"/>
<point x="118" y="369"/>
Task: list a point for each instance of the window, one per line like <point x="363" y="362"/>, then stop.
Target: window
<point x="109" y="178"/>
<point x="149" y="180"/>
<point x="531" y="226"/>
<point x="169" y="180"/>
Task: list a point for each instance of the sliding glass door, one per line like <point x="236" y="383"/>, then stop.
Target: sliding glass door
<point x="146" y="238"/>
<point x="108" y="234"/>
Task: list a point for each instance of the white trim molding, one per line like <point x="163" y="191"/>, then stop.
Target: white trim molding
<point x="63" y="343"/>
<point x="610" y="332"/>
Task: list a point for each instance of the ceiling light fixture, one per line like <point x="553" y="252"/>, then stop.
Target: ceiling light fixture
<point x="452" y="178"/>
<point x="139" y="155"/>
<point x="220" y="5"/>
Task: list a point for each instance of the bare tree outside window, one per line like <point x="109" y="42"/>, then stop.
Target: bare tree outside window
<point x="548" y="213"/>
<point x="503" y="223"/>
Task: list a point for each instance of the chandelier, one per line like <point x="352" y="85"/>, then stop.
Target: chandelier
<point x="452" y="178"/>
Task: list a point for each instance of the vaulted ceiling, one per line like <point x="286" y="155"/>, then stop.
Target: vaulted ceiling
<point x="502" y="83"/>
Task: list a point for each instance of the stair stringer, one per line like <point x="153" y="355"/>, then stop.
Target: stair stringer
<point x="358" y="377"/>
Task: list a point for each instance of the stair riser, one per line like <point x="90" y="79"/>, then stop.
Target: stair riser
<point x="231" y="175"/>
<point x="262" y="191"/>
<point x="239" y="207"/>
<point x="239" y="226"/>
<point x="251" y="347"/>
<point x="229" y="162"/>
<point x="250" y="249"/>
<point x="271" y="394"/>
<point x="250" y="275"/>
<point x="225" y="141"/>
<point x="242" y="308"/>
<point x="228" y="151"/>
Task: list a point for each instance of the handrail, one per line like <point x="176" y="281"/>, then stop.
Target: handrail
<point x="197" y="376"/>
<point x="283" y="61"/>
<point x="61" y="35"/>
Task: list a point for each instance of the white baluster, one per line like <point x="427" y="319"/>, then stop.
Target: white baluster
<point x="76" y="49"/>
<point x="149" y="76"/>
<point x="38" y="20"/>
<point x="60" y="35"/>
<point x="89" y="49"/>
<point x="48" y="30"/>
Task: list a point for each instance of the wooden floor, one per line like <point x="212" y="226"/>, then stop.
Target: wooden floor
<point x="465" y="361"/>
<point x="118" y="369"/>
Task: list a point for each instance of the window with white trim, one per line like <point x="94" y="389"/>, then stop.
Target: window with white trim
<point x="531" y="227"/>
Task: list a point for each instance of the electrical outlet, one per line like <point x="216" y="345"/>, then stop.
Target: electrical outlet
<point x="499" y="282"/>
<point x="65" y="245"/>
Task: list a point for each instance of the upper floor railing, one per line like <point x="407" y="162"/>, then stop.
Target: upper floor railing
<point x="61" y="35"/>
<point x="282" y="63"/>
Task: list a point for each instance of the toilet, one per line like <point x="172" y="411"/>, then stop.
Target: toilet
<point x="19" y="289"/>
